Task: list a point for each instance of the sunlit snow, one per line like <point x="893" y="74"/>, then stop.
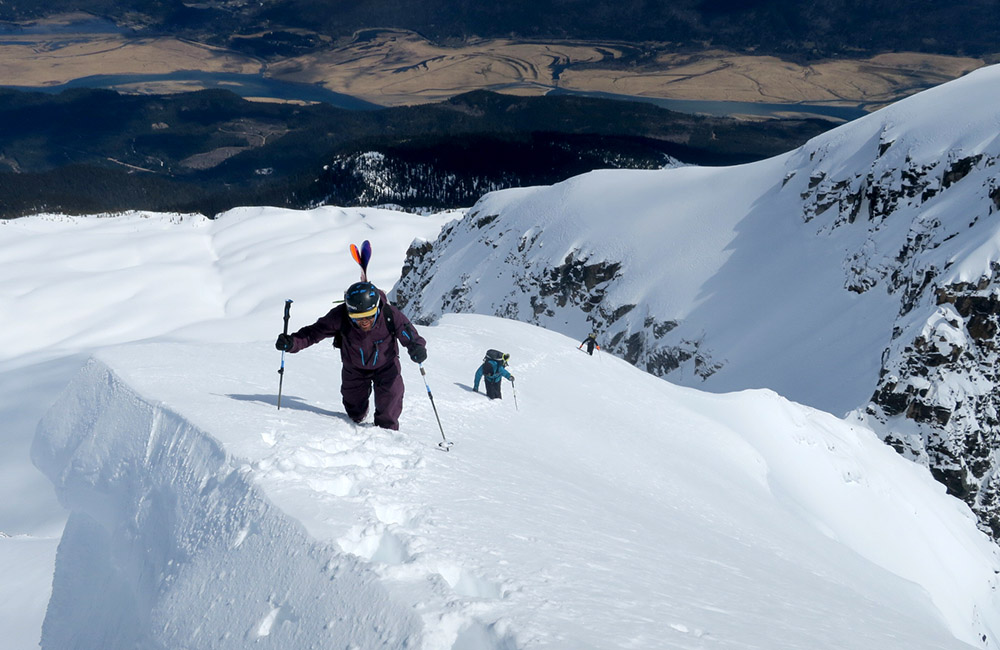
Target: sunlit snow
<point x="595" y="507"/>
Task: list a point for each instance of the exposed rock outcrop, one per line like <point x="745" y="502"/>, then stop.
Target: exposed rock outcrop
<point x="543" y="295"/>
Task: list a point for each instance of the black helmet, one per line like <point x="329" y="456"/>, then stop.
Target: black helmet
<point x="362" y="300"/>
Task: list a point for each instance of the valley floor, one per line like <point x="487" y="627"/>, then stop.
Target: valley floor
<point x="394" y="68"/>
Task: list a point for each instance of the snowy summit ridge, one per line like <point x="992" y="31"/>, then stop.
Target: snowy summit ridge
<point x="858" y="272"/>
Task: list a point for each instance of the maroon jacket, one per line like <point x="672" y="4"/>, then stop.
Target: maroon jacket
<point x="371" y="350"/>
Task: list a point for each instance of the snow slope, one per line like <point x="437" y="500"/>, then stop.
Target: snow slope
<point x="789" y="273"/>
<point x="700" y="274"/>
<point x="604" y="509"/>
<point x="860" y="272"/>
<point x="74" y="284"/>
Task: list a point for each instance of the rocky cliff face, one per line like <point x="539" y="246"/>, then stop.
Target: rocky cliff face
<point x="936" y="398"/>
<point x="574" y="289"/>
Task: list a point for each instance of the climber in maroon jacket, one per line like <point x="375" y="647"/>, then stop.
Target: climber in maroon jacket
<point x="366" y="328"/>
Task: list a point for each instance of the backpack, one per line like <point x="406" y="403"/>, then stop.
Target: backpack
<point x="492" y="362"/>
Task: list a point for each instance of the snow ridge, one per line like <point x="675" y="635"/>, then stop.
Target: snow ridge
<point x="210" y="519"/>
<point x="163" y="519"/>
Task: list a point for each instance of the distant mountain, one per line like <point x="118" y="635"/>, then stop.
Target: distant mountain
<point x="858" y="272"/>
<point x="803" y="29"/>
<point x="211" y="150"/>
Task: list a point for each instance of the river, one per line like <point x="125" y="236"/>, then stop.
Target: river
<point x="257" y="85"/>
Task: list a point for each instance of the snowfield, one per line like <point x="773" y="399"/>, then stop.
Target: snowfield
<point x="605" y="509"/>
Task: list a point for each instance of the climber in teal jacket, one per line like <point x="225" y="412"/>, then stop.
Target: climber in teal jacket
<point x="493" y="369"/>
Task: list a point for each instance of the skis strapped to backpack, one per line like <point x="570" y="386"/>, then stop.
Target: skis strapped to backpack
<point x="362" y="256"/>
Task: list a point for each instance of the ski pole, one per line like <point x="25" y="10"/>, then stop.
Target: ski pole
<point x="281" y="370"/>
<point x="444" y="445"/>
<point x="515" y="394"/>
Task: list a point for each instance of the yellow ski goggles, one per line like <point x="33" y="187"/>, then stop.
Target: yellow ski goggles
<point x="371" y="313"/>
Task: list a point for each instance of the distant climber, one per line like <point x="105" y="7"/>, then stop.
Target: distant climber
<point x="590" y="342"/>
<point x="493" y="369"/>
<point x="366" y="328"/>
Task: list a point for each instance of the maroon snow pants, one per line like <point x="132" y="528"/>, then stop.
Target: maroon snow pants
<point x="356" y="386"/>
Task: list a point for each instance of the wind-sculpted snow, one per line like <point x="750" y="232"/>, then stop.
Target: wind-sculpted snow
<point x="604" y="508"/>
<point x="857" y="272"/>
<point x="74" y="284"/>
<point x="169" y="544"/>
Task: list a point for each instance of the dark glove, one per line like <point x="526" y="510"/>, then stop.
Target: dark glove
<point x="512" y="378"/>
<point x="284" y="342"/>
<point x="418" y="353"/>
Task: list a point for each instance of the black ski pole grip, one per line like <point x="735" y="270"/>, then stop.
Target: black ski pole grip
<point x="288" y="312"/>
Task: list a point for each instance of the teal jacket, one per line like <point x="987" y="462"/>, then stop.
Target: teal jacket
<point x="497" y="372"/>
